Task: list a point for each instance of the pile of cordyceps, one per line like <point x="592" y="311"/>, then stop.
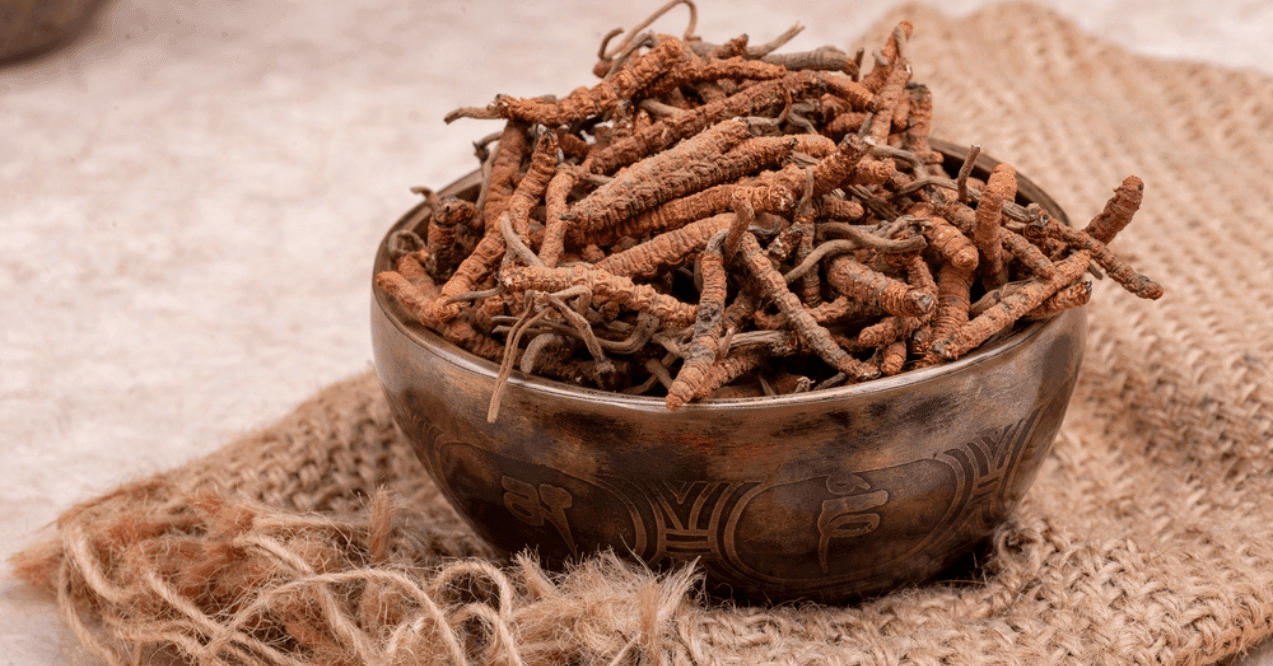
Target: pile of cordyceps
<point x="717" y="220"/>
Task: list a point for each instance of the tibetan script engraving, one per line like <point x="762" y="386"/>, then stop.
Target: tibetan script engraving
<point x="847" y="517"/>
<point x="535" y="504"/>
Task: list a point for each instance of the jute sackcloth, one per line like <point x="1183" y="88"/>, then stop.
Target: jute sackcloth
<point x="1147" y="539"/>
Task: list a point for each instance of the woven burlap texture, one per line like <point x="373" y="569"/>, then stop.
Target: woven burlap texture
<point x="1147" y="539"/>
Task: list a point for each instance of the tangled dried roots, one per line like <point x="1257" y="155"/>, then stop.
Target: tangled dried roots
<point x="820" y="174"/>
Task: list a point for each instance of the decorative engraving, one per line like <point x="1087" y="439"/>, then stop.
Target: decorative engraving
<point x="686" y="518"/>
<point x="533" y="505"/>
<point x="872" y="524"/>
<point x="845" y="517"/>
<point x="984" y="469"/>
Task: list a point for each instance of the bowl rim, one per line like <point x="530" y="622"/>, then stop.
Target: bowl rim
<point x="422" y="336"/>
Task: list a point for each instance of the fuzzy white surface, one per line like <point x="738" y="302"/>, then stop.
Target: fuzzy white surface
<point x="190" y="196"/>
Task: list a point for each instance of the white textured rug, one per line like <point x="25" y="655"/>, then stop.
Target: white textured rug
<point x="190" y="196"/>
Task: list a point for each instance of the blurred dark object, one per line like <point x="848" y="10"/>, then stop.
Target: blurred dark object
<point x="31" y="27"/>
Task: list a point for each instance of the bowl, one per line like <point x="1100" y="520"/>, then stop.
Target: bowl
<point x="828" y="495"/>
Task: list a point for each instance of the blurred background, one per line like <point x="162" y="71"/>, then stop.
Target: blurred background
<point x="191" y="193"/>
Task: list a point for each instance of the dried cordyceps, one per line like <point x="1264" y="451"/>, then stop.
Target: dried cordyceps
<point x="717" y="213"/>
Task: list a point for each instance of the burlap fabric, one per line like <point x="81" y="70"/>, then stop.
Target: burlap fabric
<point x="1148" y="537"/>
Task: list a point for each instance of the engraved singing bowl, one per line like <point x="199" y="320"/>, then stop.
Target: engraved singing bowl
<point x="828" y="495"/>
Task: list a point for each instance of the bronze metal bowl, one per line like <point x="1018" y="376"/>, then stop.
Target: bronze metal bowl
<point x="827" y="495"/>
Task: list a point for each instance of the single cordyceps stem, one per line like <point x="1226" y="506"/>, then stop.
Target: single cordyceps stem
<point x="1011" y="308"/>
<point x="893" y="48"/>
<point x="728" y="368"/>
<point x="671" y="248"/>
<point x="823" y="58"/>
<point x="572" y="145"/>
<point x="409" y="267"/>
<point x="413" y="298"/>
<point x="444" y="251"/>
<point x="918" y="274"/>
<point x="945" y="240"/>
<point x="915" y="137"/>
<point x="846" y="123"/>
<point x="648" y="182"/>
<point x="804" y="224"/>
<point x="1118" y="210"/>
<point x="871" y="171"/>
<point x="856" y="94"/>
<point x="744" y="217"/>
<point x="832" y="171"/>
<point x="555" y="228"/>
<point x="700" y="353"/>
<point x="1073" y="296"/>
<point x="887" y="330"/>
<point x="840" y="209"/>
<point x="697" y="206"/>
<point x="1030" y="256"/>
<point x="894" y="357"/>
<point x="1001" y="187"/>
<point x="506" y="163"/>
<point x="954" y="284"/>
<point x="603" y="285"/>
<point x="585" y="102"/>
<point x="530" y="189"/>
<point x="959" y="215"/>
<point x="689" y="72"/>
<point x="890" y="99"/>
<point x="858" y="281"/>
<point x="1117" y="269"/>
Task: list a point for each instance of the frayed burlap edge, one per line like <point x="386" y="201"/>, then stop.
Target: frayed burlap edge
<point x="196" y="565"/>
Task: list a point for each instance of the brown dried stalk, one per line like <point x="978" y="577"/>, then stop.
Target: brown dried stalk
<point x="601" y="284"/>
<point x="701" y="352"/>
<point x="1001" y="187"/>
<point x="584" y="102"/>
